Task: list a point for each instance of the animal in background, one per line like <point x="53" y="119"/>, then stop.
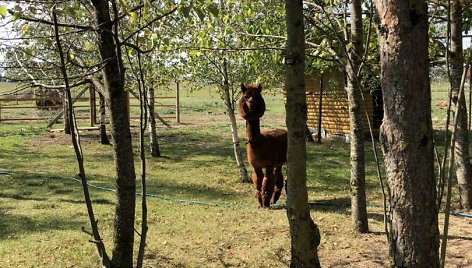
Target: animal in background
<point x="266" y="151"/>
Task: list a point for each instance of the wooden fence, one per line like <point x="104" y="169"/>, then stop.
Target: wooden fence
<point x="327" y="105"/>
<point x="20" y="108"/>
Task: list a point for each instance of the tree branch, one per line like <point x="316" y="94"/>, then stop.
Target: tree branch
<point x="149" y="23"/>
<point x="76" y="26"/>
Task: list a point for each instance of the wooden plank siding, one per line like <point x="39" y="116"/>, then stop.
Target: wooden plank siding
<point x="334" y="112"/>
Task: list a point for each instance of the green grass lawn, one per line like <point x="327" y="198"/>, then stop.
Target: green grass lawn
<point x="199" y="213"/>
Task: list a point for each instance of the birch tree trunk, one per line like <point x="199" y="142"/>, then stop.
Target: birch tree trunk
<point x="243" y="177"/>
<point x="406" y="132"/>
<point x="354" y="49"/>
<point x="103" y="129"/>
<point x="462" y="156"/>
<point x="304" y="233"/>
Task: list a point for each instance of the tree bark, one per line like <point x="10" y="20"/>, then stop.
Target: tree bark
<point x="78" y="150"/>
<point x="154" y="144"/>
<point x="67" y="115"/>
<point x="243" y="177"/>
<point x="113" y="76"/>
<point x="406" y="132"/>
<point x="103" y="129"/>
<point x="462" y="156"/>
<point x="354" y="49"/>
<point x="304" y="233"/>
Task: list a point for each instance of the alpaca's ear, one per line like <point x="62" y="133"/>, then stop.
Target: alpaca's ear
<point x="259" y="86"/>
<point x="243" y="88"/>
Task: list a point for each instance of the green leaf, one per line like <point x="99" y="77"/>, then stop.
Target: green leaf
<point x="166" y="41"/>
<point x="24" y="29"/>
<point x="185" y="10"/>
<point x="213" y="9"/>
<point x="133" y="18"/>
<point x="3" y="11"/>
<point x="72" y="12"/>
<point x="200" y="14"/>
<point x="194" y="53"/>
<point x="16" y="16"/>
<point x="87" y="46"/>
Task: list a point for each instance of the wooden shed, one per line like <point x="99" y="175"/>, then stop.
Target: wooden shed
<point x="326" y="91"/>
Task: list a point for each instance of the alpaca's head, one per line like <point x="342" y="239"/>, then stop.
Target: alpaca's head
<point x="251" y="105"/>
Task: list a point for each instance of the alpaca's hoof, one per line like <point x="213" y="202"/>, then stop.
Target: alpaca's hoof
<point x="257" y="194"/>
<point x="266" y="199"/>
<point x="275" y="198"/>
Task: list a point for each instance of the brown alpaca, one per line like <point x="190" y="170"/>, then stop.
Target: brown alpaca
<point x="267" y="150"/>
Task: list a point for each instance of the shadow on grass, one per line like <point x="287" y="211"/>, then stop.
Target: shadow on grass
<point x="41" y="188"/>
<point x="13" y="225"/>
<point x="18" y="196"/>
<point x="182" y="146"/>
<point x="181" y="192"/>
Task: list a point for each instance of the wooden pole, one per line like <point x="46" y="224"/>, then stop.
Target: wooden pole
<point x="320" y="112"/>
<point x="177" y="102"/>
<point x="93" y="107"/>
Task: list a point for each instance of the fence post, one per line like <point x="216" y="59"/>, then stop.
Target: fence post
<point x="177" y="102"/>
<point x="0" y="111"/>
<point x="320" y="108"/>
<point x="93" y="107"/>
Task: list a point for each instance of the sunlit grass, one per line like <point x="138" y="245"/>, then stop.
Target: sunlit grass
<point x="199" y="213"/>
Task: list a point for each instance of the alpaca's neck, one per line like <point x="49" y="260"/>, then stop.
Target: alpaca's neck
<point x="253" y="130"/>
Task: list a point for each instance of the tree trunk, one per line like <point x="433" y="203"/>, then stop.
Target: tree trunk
<point x="243" y="177"/>
<point x="406" y="132"/>
<point x="358" y="196"/>
<point x="103" y="129"/>
<point x="67" y="115"/>
<point x="154" y="144"/>
<point x="113" y="76"/>
<point x="304" y="233"/>
<point x="462" y="156"/>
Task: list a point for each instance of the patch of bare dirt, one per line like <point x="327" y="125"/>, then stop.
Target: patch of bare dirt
<point x="371" y="250"/>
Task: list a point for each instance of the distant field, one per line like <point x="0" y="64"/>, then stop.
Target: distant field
<point x="6" y="87"/>
<point x="206" y="100"/>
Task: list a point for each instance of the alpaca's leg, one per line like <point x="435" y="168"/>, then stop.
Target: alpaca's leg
<point x="268" y="186"/>
<point x="257" y="177"/>
<point x="279" y="184"/>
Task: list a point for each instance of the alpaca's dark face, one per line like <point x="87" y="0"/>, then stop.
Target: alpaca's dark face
<point x="251" y="105"/>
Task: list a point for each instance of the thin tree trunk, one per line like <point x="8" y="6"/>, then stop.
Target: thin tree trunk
<point x="154" y="143"/>
<point x="243" y="177"/>
<point x="406" y="132"/>
<point x="142" y="156"/>
<point x="113" y="75"/>
<point x="358" y="195"/>
<point x="103" y="128"/>
<point x="462" y="156"/>
<point x="304" y="233"/>
<point x="78" y="151"/>
<point x="67" y="114"/>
